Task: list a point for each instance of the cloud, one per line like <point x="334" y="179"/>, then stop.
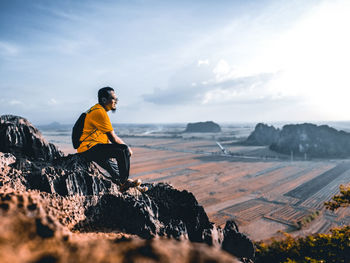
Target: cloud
<point x="173" y="96"/>
<point x="203" y="62"/>
<point x="208" y="88"/>
<point x="52" y="101"/>
<point x="241" y="90"/>
<point x="59" y="13"/>
<point x="221" y="70"/>
<point x="15" y="102"/>
<point x="7" y="49"/>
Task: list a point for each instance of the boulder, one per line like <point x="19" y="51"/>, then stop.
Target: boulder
<point x="32" y="233"/>
<point x="22" y="139"/>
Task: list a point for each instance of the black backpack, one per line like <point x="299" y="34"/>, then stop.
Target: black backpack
<point x="77" y="130"/>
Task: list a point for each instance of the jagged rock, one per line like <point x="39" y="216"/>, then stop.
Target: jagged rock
<point x="29" y="234"/>
<point x="312" y="140"/>
<point x="67" y="175"/>
<point x="263" y="134"/>
<point x="236" y="243"/>
<point x="163" y="211"/>
<point x="207" y="126"/>
<point x="22" y="139"/>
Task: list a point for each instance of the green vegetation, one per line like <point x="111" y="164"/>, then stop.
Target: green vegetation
<point x="307" y="219"/>
<point x="341" y="200"/>
<point x="317" y="248"/>
<point x="333" y="247"/>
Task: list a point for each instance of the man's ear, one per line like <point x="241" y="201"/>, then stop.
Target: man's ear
<point x="104" y="101"/>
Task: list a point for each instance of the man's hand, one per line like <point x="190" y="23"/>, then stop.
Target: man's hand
<point x="113" y="138"/>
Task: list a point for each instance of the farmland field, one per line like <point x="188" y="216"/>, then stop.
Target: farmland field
<point x="261" y="194"/>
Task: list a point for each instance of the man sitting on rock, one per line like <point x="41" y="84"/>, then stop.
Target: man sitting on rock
<point x="99" y="143"/>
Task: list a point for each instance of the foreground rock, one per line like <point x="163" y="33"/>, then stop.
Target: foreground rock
<point x="28" y="233"/>
<point x="207" y="126"/>
<point x="263" y="134"/>
<point x="312" y="140"/>
<point x="20" y="137"/>
<point x="79" y="197"/>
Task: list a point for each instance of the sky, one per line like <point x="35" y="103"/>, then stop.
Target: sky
<point x="176" y="61"/>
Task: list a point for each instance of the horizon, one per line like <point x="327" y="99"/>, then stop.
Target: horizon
<point x="329" y="123"/>
<point x="176" y="62"/>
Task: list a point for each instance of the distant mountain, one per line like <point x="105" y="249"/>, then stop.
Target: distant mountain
<point x="263" y="134"/>
<point x="315" y="141"/>
<point x="55" y="126"/>
<point x="310" y="139"/>
<point x="208" y="126"/>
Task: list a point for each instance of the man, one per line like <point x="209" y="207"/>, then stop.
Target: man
<point x="99" y="143"/>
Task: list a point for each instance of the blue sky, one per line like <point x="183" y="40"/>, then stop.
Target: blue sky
<point x="176" y="61"/>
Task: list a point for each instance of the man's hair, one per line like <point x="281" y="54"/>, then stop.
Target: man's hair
<point x="104" y="93"/>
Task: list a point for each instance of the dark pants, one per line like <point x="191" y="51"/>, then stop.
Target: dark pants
<point x="102" y="154"/>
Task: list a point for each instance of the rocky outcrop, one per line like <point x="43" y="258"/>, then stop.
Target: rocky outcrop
<point x="312" y="140"/>
<point x="67" y="175"/>
<point x="162" y="211"/>
<point x="20" y="137"/>
<point x="263" y="134"/>
<point x="81" y="198"/>
<point x="207" y="126"/>
<point x="31" y="233"/>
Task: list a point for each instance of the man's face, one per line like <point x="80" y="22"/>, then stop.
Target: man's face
<point x="112" y="102"/>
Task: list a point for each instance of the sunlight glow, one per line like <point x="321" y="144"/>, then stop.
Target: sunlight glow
<point x="315" y="59"/>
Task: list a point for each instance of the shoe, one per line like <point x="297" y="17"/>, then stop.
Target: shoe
<point x="135" y="183"/>
<point x="142" y="189"/>
<point x="129" y="183"/>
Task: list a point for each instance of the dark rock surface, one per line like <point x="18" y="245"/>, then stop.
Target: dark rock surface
<point x="95" y="204"/>
<point x="20" y="137"/>
<point x="162" y="211"/>
<point x="263" y="134"/>
<point x="313" y="140"/>
<point x="207" y="126"/>
<point x="67" y="175"/>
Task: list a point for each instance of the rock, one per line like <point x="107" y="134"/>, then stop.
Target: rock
<point x="22" y="139"/>
<point x="30" y="234"/>
<point x="65" y="176"/>
<point x="263" y="134"/>
<point x="207" y="126"/>
<point x="78" y="195"/>
<point x="236" y="243"/>
<point x="312" y="140"/>
<point x="6" y="159"/>
<point x="18" y="208"/>
<point x="162" y="211"/>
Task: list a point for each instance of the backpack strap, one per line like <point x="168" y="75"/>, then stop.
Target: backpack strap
<point x="95" y="130"/>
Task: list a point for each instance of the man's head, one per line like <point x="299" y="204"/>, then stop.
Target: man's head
<point x="107" y="98"/>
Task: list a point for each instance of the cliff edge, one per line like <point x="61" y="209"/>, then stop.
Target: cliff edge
<point x="61" y="197"/>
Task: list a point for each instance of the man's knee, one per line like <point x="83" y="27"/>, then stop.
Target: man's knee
<point x="123" y="146"/>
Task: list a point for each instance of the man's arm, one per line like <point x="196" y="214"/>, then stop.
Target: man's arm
<point x="115" y="139"/>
